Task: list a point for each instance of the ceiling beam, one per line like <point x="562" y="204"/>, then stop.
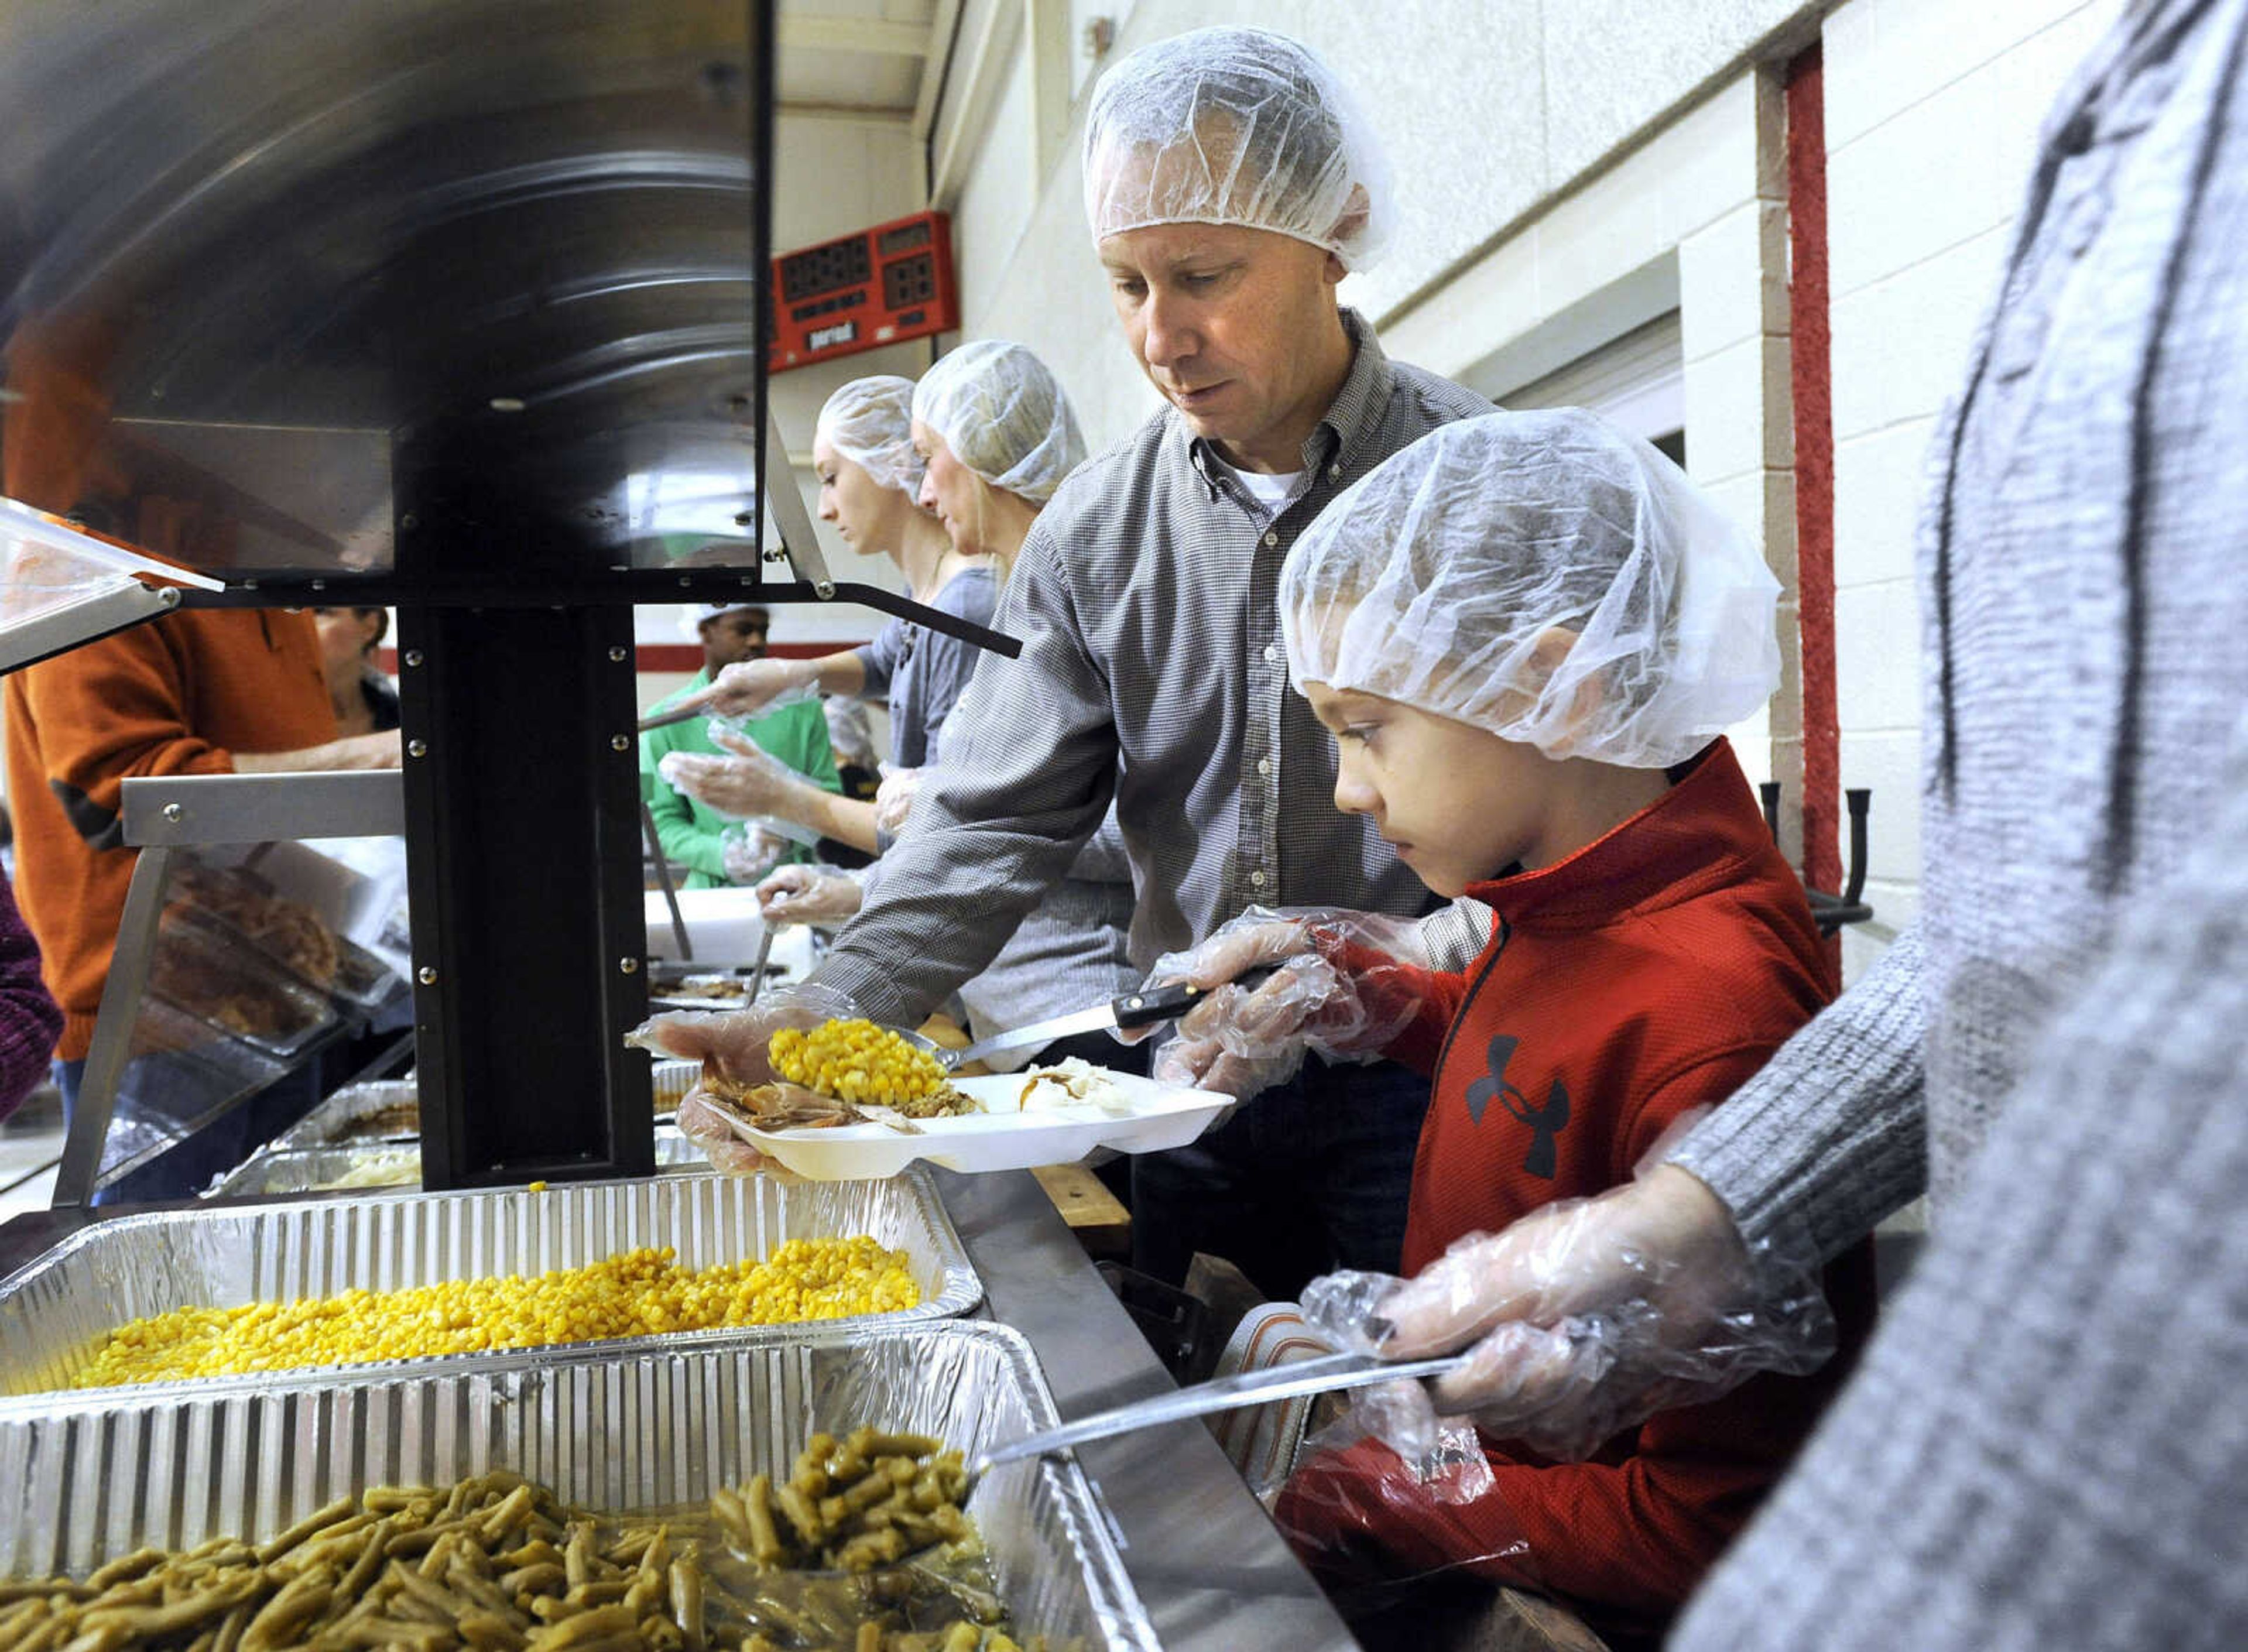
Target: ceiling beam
<point x="800" y="32"/>
<point x="934" y="65"/>
<point x="857" y="115"/>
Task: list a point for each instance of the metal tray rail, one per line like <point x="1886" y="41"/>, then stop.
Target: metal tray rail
<point x="84" y="1478"/>
<point x="275" y="1170"/>
<point x="54" y="1310"/>
<point x="331" y="1123"/>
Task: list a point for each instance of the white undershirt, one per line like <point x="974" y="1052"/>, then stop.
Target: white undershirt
<point x="1270" y="492"/>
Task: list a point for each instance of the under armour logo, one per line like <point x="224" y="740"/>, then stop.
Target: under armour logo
<point x="1545" y="1123"/>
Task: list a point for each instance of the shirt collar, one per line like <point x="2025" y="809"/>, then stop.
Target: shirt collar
<point x="1696" y="836"/>
<point x="1348" y="423"/>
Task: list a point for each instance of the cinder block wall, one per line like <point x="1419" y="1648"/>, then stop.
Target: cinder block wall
<point x="1545" y="147"/>
<point x="1933" y="110"/>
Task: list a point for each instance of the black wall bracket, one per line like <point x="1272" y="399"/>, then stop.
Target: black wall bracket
<point x="1833" y="911"/>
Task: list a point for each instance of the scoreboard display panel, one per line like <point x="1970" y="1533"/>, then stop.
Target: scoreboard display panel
<point x="878" y="286"/>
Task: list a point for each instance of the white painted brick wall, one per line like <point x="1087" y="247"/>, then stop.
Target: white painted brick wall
<point x="1933" y="109"/>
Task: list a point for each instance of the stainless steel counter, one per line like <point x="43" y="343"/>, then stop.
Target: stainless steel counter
<point x="1212" y="1572"/>
<point x="1212" y="1569"/>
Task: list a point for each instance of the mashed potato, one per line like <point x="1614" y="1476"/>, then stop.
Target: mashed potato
<point x="1074" y="1083"/>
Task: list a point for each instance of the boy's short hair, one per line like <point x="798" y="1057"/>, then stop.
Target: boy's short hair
<point x="1500" y="566"/>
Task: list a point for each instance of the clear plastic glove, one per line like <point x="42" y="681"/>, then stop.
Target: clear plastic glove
<point x="749" y="851"/>
<point x="747" y="781"/>
<point x="753" y="687"/>
<point x="814" y="895"/>
<point x="734" y="1047"/>
<point x="1584" y="1318"/>
<point x="894" y="799"/>
<point x="1335" y="991"/>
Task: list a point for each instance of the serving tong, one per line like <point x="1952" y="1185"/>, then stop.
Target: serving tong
<point x="1328" y="1373"/>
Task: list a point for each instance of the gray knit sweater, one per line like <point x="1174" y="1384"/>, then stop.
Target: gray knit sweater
<point x="2046" y="1445"/>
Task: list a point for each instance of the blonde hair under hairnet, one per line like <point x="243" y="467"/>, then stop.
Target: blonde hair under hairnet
<point x="1003" y="415"/>
<point x="1433" y="580"/>
<point x="1241" y="127"/>
<point x="869" y="421"/>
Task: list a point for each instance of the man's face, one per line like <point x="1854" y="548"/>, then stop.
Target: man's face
<point x="729" y="639"/>
<point x="1460" y="803"/>
<point x="1225" y="322"/>
<point x="345" y="635"/>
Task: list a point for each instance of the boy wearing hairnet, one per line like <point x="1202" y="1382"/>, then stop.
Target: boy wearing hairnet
<point x="1526" y="633"/>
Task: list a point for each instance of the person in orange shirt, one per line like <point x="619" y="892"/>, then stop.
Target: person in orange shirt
<point x="197" y="691"/>
<point x="1527" y="632"/>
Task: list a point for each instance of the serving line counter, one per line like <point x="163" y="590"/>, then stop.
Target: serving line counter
<point x="1209" y="1568"/>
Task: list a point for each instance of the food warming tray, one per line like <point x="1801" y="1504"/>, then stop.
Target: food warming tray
<point x="54" y="1310"/>
<point x="85" y="1478"/>
<point x="345" y="1117"/>
<point x="330" y="1169"/>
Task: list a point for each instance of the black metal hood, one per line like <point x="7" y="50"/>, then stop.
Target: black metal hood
<point x="294" y="267"/>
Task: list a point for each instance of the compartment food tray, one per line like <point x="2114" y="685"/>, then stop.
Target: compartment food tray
<point x="87" y="1479"/>
<point x="54" y="1310"/>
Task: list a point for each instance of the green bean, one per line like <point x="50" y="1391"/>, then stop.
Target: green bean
<point x="687" y="1599"/>
<point x="270" y="1552"/>
<point x="125" y="1568"/>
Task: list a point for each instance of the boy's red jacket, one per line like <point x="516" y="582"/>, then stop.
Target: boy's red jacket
<point x="1652" y="972"/>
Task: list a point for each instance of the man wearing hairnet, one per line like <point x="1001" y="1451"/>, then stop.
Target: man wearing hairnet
<point x="1231" y="183"/>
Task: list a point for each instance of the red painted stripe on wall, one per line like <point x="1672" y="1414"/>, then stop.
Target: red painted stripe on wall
<point x="1811" y="372"/>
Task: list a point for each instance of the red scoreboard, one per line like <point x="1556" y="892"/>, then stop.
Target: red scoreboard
<point x="879" y="286"/>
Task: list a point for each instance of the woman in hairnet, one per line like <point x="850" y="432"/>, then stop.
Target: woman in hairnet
<point x="997" y="436"/>
<point x="870" y="484"/>
<point x="1527" y="632"/>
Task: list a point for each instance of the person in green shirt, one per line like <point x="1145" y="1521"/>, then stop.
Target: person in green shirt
<point x="694" y="836"/>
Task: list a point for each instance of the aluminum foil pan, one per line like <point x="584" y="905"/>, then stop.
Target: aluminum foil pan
<point x="84" y="1480"/>
<point x="376" y="1112"/>
<point x="382" y="1164"/>
<point x="54" y="1310"/>
<point x="359" y="1113"/>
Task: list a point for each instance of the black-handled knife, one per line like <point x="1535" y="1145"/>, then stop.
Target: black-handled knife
<point x="1141" y="1009"/>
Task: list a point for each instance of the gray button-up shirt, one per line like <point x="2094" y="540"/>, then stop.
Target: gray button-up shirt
<point x="1152" y="672"/>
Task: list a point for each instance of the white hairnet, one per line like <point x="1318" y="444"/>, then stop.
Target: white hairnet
<point x="1437" y="579"/>
<point x="1235" y="126"/>
<point x="869" y="421"/>
<point x="1003" y="415"/>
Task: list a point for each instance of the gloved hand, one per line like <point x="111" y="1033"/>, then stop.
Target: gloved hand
<point x="1584" y="1318"/>
<point x="748" y="781"/>
<point x="809" y="894"/>
<point x="734" y="1047"/>
<point x="1336" y="990"/>
<point x="749" y="851"/>
<point x="753" y="687"/>
<point x="894" y="799"/>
